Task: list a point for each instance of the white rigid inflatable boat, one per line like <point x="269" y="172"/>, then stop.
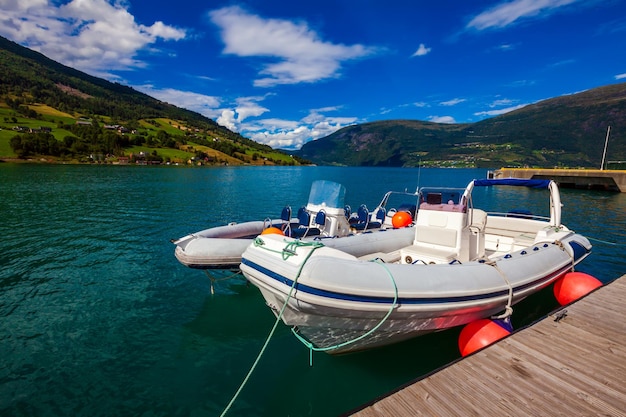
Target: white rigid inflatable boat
<point x="462" y="265"/>
<point x="324" y="218"/>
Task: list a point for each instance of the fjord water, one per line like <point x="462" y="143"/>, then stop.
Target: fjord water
<point x="97" y="317"/>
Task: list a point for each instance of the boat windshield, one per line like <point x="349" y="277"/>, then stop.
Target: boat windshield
<point x="327" y="194"/>
<point x="449" y="199"/>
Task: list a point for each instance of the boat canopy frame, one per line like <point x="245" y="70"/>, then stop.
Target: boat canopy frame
<point x="555" y="196"/>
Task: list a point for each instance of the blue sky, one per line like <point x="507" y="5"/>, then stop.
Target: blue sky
<point x="287" y="72"/>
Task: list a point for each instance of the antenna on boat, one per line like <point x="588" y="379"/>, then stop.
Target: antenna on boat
<point x="419" y="171"/>
<point x="606" y="142"/>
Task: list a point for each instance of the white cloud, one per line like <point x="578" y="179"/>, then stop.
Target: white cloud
<point x="507" y="13"/>
<point x="200" y="103"/>
<point x="501" y="102"/>
<point x="421" y="50"/>
<point x="442" y="119"/>
<point x="506" y="47"/>
<point x="287" y="134"/>
<point x="562" y="63"/>
<point x="248" y="107"/>
<point x="316" y="115"/>
<point x="272" y="124"/>
<point x="452" y="102"/>
<point x="94" y="36"/>
<point x="620" y="76"/>
<point x="499" y="111"/>
<point x="296" y="52"/>
<point x="228" y="120"/>
<point x="290" y="139"/>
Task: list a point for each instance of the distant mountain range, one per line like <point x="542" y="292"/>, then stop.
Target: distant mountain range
<point x="567" y="131"/>
<point x="35" y="91"/>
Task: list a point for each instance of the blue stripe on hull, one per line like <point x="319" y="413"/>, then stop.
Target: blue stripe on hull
<point x="579" y="250"/>
<point x="401" y="300"/>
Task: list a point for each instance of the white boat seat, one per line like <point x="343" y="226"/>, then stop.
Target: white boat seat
<point x="424" y="254"/>
<point x="436" y="236"/>
<point x="441" y="236"/>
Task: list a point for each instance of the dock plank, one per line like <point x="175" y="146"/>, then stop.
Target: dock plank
<point x="574" y="366"/>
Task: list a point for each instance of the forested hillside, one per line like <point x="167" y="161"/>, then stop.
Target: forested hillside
<point x="567" y="131"/>
<point x="50" y="111"/>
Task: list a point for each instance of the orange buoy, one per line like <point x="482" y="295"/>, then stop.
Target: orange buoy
<point x="574" y="285"/>
<point x="401" y="219"/>
<point x="480" y="333"/>
<point x="272" y="231"/>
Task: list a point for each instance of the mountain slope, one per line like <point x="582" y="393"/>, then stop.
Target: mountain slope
<point x="29" y="81"/>
<point x="563" y="131"/>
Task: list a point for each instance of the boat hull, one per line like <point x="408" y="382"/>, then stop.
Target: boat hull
<point x="334" y="298"/>
<point x="220" y="248"/>
<point x="324" y="218"/>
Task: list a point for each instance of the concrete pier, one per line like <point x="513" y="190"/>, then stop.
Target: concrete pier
<point x="591" y="179"/>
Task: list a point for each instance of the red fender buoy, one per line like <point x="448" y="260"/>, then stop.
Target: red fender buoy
<point x="272" y="231"/>
<point x="401" y="219"/>
<point x="574" y="285"/>
<point x="480" y="333"/>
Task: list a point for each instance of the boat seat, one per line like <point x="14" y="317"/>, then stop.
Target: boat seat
<point x="363" y="216"/>
<point x="441" y="236"/>
<point x="320" y="219"/>
<point x="427" y="255"/>
<point x="305" y="228"/>
<point x="364" y="219"/>
<point x="380" y="218"/>
<point x="436" y="236"/>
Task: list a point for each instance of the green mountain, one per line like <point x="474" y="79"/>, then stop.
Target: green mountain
<point x="48" y="109"/>
<point x="567" y="131"/>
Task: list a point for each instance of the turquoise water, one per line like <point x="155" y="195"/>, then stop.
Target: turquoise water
<point x="97" y="318"/>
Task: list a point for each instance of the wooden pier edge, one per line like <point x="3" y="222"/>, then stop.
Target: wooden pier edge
<point x="570" y="363"/>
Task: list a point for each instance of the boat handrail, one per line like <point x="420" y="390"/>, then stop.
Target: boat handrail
<point x="518" y="215"/>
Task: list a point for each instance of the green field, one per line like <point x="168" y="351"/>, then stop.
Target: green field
<point x="173" y="154"/>
<point x="52" y="118"/>
<point x="10" y="119"/>
<point x="5" y="148"/>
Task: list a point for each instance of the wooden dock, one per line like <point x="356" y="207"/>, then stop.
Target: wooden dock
<point x="572" y="366"/>
<point x="595" y="179"/>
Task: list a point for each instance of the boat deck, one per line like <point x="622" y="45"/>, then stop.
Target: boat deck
<point x="572" y="363"/>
